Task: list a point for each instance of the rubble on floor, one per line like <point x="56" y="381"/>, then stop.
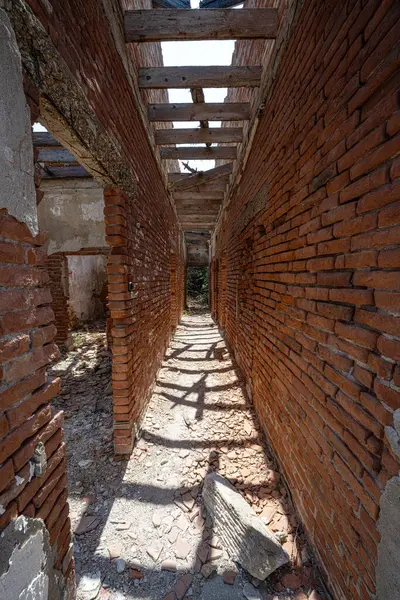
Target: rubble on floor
<point x="141" y="530"/>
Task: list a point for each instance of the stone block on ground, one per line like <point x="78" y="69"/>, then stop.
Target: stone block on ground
<point x="243" y="534"/>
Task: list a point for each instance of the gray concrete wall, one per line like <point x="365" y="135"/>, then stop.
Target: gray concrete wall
<point x="87" y="276"/>
<point x="17" y="189"/>
<point x="72" y="213"/>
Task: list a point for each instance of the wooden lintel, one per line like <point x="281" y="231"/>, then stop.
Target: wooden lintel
<point x="208" y="24"/>
<point x="212" y="111"/>
<point x="196" y="153"/>
<point x="226" y="135"/>
<point x="204" y="77"/>
<point x="201" y="178"/>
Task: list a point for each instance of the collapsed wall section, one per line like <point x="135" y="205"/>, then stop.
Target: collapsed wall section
<point x="310" y="240"/>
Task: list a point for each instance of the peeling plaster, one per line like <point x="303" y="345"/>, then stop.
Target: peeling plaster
<point x="17" y="190"/>
<point x="26" y="561"/>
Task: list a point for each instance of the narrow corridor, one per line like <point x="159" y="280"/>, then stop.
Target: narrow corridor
<point x="140" y="529"/>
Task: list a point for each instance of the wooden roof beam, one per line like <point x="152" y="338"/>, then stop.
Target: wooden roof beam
<point x="172" y="25"/>
<point x="189" y="195"/>
<point x="213" y="111"/>
<point x="164" y="137"/>
<point x="196" y="153"/>
<point x="192" y="181"/>
<point x="204" y="77"/>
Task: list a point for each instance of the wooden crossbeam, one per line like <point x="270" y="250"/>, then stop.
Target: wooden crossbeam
<point x="195" y="153"/>
<point x="56" y="155"/>
<point x="213" y="111"/>
<point x="218" y="185"/>
<point x="43" y="139"/>
<point x="185" y="24"/>
<point x="204" y="77"/>
<point x="171" y="3"/>
<point x="219" y="3"/>
<point x="198" y="98"/>
<point x="206" y="202"/>
<point x="190" y="195"/>
<point x="205" y="212"/>
<point x="164" y="137"/>
<point x="201" y="178"/>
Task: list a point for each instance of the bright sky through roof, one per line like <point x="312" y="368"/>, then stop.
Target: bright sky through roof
<point x="181" y="54"/>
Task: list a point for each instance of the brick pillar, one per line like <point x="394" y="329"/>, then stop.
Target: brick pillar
<point x="119" y="267"/>
<point x="57" y="267"/>
<point x="174" y="292"/>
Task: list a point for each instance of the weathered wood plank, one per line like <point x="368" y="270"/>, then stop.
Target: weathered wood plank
<point x="196" y="153"/>
<point x="202" y="178"/>
<point x="205" y="212"/>
<point x="209" y="24"/>
<point x="56" y="155"/>
<point x="219" y="185"/>
<point x="213" y="111"/>
<point x="200" y="204"/>
<point x="198" y="98"/>
<point x="44" y="139"/>
<point x="226" y="135"/>
<point x="204" y="77"/>
<point x="64" y="172"/>
<point x="198" y="196"/>
<point x="219" y="3"/>
<point x="171" y="3"/>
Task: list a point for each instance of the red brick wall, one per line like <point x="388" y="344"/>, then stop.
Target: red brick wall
<point x="141" y="231"/>
<point x="143" y="311"/>
<point x="26" y="348"/>
<point x="57" y="268"/>
<point x="311" y="241"/>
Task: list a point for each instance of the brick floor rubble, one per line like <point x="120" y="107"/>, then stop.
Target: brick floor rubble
<point x="139" y="525"/>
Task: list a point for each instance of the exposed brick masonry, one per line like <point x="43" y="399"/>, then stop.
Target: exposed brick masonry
<point x="143" y="309"/>
<point x="312" y="298"/>
<point x="26" y="348"/>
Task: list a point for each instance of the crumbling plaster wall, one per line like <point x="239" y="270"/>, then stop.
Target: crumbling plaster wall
<point x="72" y="214"/>
<point x="87" y="276"/>
<point x="26" y="562"/>
<point x="17" y="190"/>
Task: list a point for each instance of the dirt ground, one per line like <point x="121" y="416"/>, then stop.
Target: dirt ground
<point x="139" y="525"/>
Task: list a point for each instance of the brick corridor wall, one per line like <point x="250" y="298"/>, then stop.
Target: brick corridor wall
<point x="142" y="229"/>
<point x="311" y="239"/>
<point x="26" y="418"/>
<point x="140" y="303"/>
<point x="57" y="268"/>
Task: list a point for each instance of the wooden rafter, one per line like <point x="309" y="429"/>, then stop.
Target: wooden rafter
<point x="208" y="24"/>
<point x="164" y="137"/>
<point x="195" y="77"/>
<point x="198" y="98"/>
<point x="196" y="153"/>
<point x="215" y="111"/>
<point x="192" y="181"/>
<point x="189" y="195"/>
